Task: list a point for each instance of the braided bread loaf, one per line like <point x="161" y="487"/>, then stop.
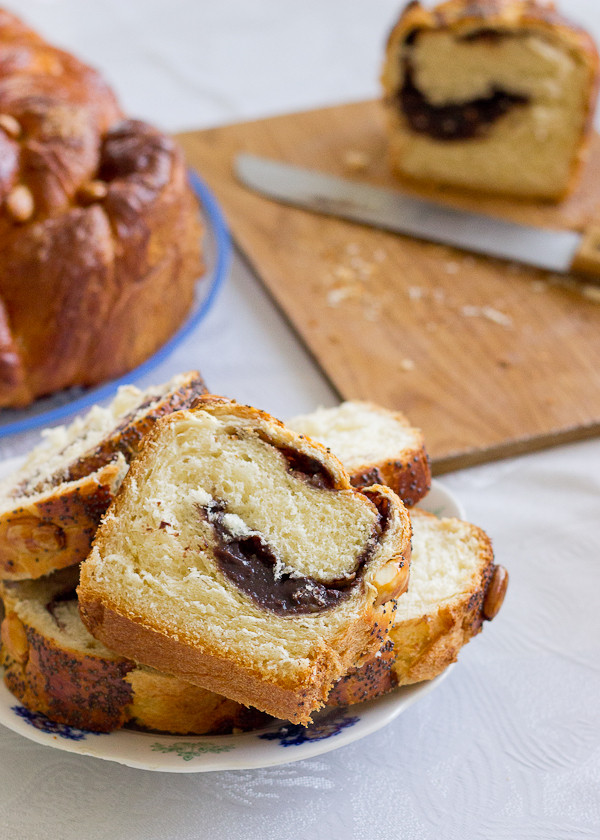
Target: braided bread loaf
<point x="99" y="230"/>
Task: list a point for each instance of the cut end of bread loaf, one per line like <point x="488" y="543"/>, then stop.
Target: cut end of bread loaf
<point x="238" y="556"/>
<point x="453" y="578"/>
<point x="376" y="446"/>
<point x="50" y="508"/>
<point x="494" y="97"/>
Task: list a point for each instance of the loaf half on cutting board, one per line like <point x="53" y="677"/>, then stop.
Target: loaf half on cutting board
<point x="490" y="95"/>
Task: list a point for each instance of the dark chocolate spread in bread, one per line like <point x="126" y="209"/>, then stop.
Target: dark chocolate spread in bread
<point x="250" y="563"/>
<point x="459" y="120"/>
<point x="308" y="469"/>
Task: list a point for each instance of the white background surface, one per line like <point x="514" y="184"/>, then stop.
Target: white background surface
<point x="509" y="746"/>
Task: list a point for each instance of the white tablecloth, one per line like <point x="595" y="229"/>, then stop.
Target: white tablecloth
<point x="509" y="745"/>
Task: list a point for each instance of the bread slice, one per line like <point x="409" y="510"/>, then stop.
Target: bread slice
<point x="490" y="95"/>
<point x="454" y="586"/>
<point x="238" y="556"/>
<point x="50" y="508"/>
<point x="376" y="446"/>
<point x="54" y="666"/>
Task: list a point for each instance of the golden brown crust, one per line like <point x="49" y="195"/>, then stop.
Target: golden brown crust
<point x="165" y="704"/>
<point x="464" y="16"/>
<point x="423" y="647"/>
<point x="145" y="639"/>
<point x="65" y="685"/>
<point x="409" y="476"/>
<point x="101" y="691"/>
<point x="508" y="15"/>
<point x="55" y="529"/>
<point x="212" y="672"/>
<point x="97" y="217"/>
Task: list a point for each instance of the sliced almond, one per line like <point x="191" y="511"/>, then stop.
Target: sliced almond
<point x="496" y="591"/>
<point x="391" y="580"/>
<point x="33" y="534"/>
<point x="14" y="637"/>
<point x="10" y="126"/>
<point x="19" y="203"/>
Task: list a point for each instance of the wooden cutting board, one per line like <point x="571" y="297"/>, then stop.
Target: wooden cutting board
<point x="490" y="359"/>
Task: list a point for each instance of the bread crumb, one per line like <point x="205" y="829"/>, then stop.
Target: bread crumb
<point x="336" y="296"/>
<point x="342" y="272"/>
<point x="356" y="161"/>
<point x="591" y="292"/>
<point x="407" y="364"/>
<point x="470" y="311"/>
<point x="496" y="316"/>
<point x="415" y="292"/>
<point x="373" y="310"/>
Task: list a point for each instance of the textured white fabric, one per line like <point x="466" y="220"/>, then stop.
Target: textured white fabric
<point x="509" y="746"/>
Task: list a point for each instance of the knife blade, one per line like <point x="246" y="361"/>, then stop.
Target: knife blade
<point x="553" y="250"/>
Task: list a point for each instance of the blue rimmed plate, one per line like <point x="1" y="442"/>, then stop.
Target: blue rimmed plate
<point x="217" y="256"/>
<point x="278" y="743"/>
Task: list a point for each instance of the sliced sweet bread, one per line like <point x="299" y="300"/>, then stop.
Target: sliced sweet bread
<point x="376" y="446"/>
<point x="238" y="556"/>
<point x="51" y="506"/>
<point x="54" y="666"/>
<point x="454" y="586"/>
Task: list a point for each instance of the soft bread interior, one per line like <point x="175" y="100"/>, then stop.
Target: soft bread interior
<point x="446" y="562"/>
<point x="48" y="463"/>
<point x="156" y="552"/>
<point x="49" y="605"/>
<point x="450" y="69"/>
<point x="358" y="433"/>
<point x="528" y="150"/>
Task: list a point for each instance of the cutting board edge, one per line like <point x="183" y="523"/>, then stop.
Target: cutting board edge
<point x="509" y="449"/>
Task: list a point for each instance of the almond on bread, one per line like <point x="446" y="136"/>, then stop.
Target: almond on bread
<point x="54" y="666"/>
<point x="375" y="445"/>
<point x="238" y="556"/>
<point x="51" y="506"/>
<point x="454" y="586"/>
<point x="101" y="240"/>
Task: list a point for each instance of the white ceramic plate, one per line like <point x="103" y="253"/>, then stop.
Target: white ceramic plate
<point x="276" y="744"/>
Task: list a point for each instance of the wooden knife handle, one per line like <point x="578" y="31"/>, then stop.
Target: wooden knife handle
<point x="587" y="259"/>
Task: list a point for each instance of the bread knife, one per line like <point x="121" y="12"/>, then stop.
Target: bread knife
<point x="560" y="251"/>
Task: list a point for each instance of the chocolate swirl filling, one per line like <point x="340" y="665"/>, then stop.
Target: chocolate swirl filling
<point x="251" y="564"/>
<point x="459" y="120"/>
